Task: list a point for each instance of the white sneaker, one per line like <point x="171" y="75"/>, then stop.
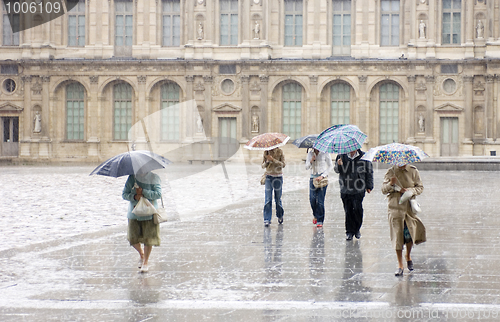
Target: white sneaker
<point x="139" y="263"/>
<point x="144" y="268"/>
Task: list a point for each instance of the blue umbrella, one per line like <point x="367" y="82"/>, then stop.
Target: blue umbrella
<point x="133" y="162"/>
<point x="342" y="138"/>
<point x="305" y="141"/>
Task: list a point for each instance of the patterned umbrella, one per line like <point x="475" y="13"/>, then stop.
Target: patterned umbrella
<point x="342" y="138"/>
<point x="395" y="153"/>
<point x="267" y="141"/>
<point x="305" y="141"/>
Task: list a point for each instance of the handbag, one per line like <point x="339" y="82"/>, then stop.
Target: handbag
<point x="161" y="214"/>
<point x="415" y="206"/>
<point x="144" y="208"/>
<point x="321" y="183"/>
<point x="263" y="179"/>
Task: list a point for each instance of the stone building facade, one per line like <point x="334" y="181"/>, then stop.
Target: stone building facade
<point x="421" y="72"/>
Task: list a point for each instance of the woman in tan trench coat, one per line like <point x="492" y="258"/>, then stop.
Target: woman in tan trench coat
<point x="405" y="177"/>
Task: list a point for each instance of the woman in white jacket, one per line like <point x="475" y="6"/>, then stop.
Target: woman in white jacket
<point x="320" y="164"/>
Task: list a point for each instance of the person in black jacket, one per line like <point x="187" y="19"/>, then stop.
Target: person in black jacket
<point x="355" y="177"/>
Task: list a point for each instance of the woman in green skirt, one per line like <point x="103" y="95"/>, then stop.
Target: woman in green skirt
<point x="142" y="229"/>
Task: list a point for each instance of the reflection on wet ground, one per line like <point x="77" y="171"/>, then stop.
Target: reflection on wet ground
<point x="227" y="266"/>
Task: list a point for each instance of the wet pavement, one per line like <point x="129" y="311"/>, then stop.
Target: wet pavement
<point x="224" y="265"/>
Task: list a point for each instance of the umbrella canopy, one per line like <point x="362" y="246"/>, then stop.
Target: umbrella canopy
<point x="267" y="141"/>
<point x="133" y="162"/>
<point x="395" y="153"/>
<point x="305" y="141"/>
<point x="340" y="139"/>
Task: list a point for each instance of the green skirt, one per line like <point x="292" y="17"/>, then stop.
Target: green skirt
<point x="145" y="232"/>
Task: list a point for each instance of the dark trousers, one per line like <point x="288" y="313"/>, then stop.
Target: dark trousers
<point x="353" y="208"/>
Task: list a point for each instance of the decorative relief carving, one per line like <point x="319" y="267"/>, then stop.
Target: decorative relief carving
<point x="313" y="79"/>
<point x="245" y="79"/>
<point x="37" y="88"/>
<point x="479" y="89"/>
<point x="411" y="78"/>
<point x="264" y="78"/>
<point x="420" y="87"/>
<point x="255" y="87"/>
<point x="94" y="79"/>
<point x="490" y="78"/>
<point x="430" y="79"/>
<point x="189" y="78"/>
<point x="141" y="79"/>
<point x="45" y="79"/>
<point x="199" y="87"/>
<point x="208" y="79"/>
<point x="362" y="79"/>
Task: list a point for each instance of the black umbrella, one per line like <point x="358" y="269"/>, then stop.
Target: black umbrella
<point x="133" y="162"/>
<point x="305" y="141"/>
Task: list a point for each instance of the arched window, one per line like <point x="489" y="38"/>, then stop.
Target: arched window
<point x="292" y="110"/>
<point x="340" y="97"/>
<point x="170" y="112"/>
<point x="75" y="111"/>
<point x="389" y="113"/>
<point x="122" y="103"/>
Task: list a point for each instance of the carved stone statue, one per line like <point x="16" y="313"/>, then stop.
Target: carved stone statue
<point x="37" y="123"/>
<point x="421" y="29"/>
<point x="200" y="31"/>
<point x="480" y="29"/>
<point x="421" y="123"/>
<point x="199" y="124"/>
<point x="256" y="29"/>
<point x="255" y="123"/>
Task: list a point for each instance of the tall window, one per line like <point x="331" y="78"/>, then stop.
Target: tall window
<point x="228" y="22"/>
<point x="76" y="24"/>
<point x="75" y="117"/>
<point x="389" y="23"/>
<point x="122" y="103"/>
<point x="170" y="112"/>
<point x="451" y="21"/>
<point x="292" y="110"/>
<point x="10" y="22"/>
<point x="293" y="22"/>
<point x="124" y="26"/>
<point x="341" y="27"/>
<point x="340" y="104"/>
<point x="389" y="113"/>
<point x="171" y="22"/>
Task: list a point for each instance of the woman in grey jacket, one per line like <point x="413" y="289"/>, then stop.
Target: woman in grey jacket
<point x="320" y="164"/>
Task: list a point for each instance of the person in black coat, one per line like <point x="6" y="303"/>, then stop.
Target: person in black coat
<point x="355" y="177"/>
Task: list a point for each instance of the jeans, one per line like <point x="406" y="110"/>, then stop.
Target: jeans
<point x="353" y="207"/>
<point x="276" y="184"/>
<point x="317" y="201"/>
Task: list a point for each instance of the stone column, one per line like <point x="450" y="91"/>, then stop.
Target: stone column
<point x="312" y="118"/>
<point x="429" y="116"/>
<point x="93" y="117"/>
<point x="264" y="80"/>
<point x="142" y="110"/>
<point x="468" y="109"/>
<point x="208" y="80"/>
<point x="185" y="114"/>
<point x="245" y="112"/>
<point x="28" y="115"/>
<point x="46" y="120"/>
<point x="411" y="108"/>
<point x="364" y="117"/>
<point x="489" y="113"/>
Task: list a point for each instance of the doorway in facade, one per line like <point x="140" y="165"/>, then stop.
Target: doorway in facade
<point x="449" y="136"/>
<point x="10" y="136"/>
<point x="227" y="137"/>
